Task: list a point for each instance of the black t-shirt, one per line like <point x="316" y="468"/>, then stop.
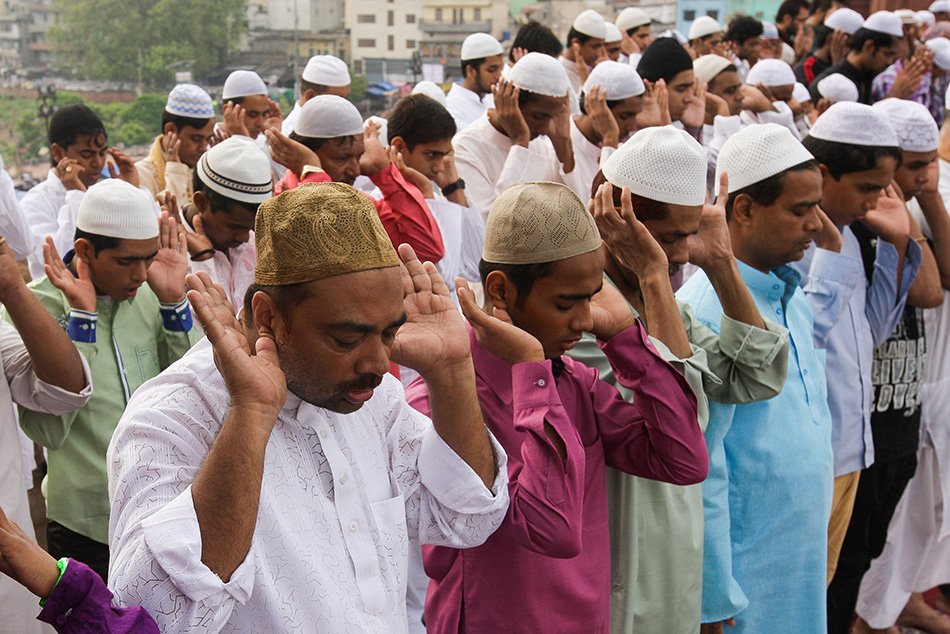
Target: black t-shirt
<point x="860" y="78"/>
<point x="809" y="68"/>
<point x="896" y="373"/>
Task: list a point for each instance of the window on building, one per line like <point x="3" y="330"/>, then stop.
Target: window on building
<point x="689" y="15"/>
<point x="438" y="14"/>
<point x="410" y="18"/>
<point x="366" y="18"/>
<point x="390" y="18"/>
<point x="391" y="43"/>
<point x="713" y="14"/>
<point x="477" y="14"/>
<point x="410" y="43"/>
<point x="366" y="43"/>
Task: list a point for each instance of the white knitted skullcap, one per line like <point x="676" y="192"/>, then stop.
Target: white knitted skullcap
<point x="925" y="18"/>
<point x="837" y="87"/>
<point x="757" y="152"/>
<point x="328" y="117"/>
<point x="115" y="209"/>
<point x="915" y="126"/>
<point x="613" y="33"/>
<point x="855" y="124"/>
<point x="676" y="35"/>
<point x="631" y="18"/>
<point x="237" y="168"/>
<point x="540" y="74"/>
<point x="941" y="49"/>
<point x="800" y="93"/>
<point x="771" y="72"/>
<point x="660" y="163"/>
<point x="531" y="223"/>
<point x="188" y="100"/>
<point x="769" y="30"/>
<point x="885" y="22"/>
<point x="479" y="45"/>
<point x="848" y="20"/>
<point x="620" y="81"/>
<point x="383" y="128"/>
<point x="707" y="67"/>
<point x="939" y="6"/>
<point x="243" y="83"/>
<point x="326" y="70"/>
<point x="703" y="26"/>
<point x="906" y="15"/>
<point x="429" y="89"/>
<point x="590" y="23"/>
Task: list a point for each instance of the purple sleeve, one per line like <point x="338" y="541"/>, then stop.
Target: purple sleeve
<point x="657" y="437"/>
<point x="81" y="604"/>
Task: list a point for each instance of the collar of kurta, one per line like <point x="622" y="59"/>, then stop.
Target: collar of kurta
<point x="779" y="283"/>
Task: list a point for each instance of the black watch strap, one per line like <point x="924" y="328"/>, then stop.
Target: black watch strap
<point x="451" y="188"/>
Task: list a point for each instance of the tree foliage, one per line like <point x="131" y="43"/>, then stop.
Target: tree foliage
<point x="145" y="40"/>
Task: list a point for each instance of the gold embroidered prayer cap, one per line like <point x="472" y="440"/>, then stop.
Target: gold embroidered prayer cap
<point x="532" y="223"/>
<point x="316" y="231"/>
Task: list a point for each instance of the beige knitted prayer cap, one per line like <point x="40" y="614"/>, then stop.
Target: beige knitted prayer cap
<point x="531" y="223"/>
<point x="316" y="231"/>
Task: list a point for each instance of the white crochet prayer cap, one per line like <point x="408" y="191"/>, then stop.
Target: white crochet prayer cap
<point x="326" y="70"/>
<point x="237" y="168"/>
<point x="243" y="83"/>
<point x="676" y="35"/>
<point x="590" y="23"/>
<point x="328" y="117"/>
<point x="188" y="100"/>
<point x="915" y="126"/>
<point x="383" y="128"/>
<point x="620" y="81"/>
<point x="848" y="20"/>
<point x="613" y="33"/>
<point x="429" y="89"/>
<point x="769" y="31"/>
<point x="800" y="93"/>
<point x="540" y="74"/>
<point x="907" y="16"/>
<point x="757" y="152"/>
<point x="941" y="49"/>
<point x="632" y="18"/>
<point x="925" y="18"/>
<point x="771" y="72"/>
<point x="707" y="67"/>
<point x="703" y="26"/>
<point x="837" y="87"/>
<point x="479" y="45"/>
<point x="885" y="22"/>
<point x="855" y="124"/>
<point x="660" y="163"/>
<point x="115" y="209"/>
<point x="939" y="6"/>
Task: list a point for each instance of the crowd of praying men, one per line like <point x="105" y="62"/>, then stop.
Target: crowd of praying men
<point x="631" y="333"/>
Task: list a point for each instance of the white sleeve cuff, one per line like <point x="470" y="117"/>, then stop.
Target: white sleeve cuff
<point x="455" y="484"/>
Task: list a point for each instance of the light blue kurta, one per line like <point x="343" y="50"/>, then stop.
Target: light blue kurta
<point x="768" y="495"/>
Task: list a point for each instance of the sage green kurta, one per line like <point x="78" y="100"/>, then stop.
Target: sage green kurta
<point x="656" y="529"/>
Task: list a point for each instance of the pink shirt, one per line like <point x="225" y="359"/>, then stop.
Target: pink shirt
<point x="547" y="568"/>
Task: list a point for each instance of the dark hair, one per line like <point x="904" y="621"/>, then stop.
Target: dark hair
<point x="743" y="28"/>
<point x="181" y="122"/>
<point x="523" y="276"/>
<point x="845" y="158"/>
<point x="767" y="191"/>
<point x="535" y="37"/>
<point x="820" y="5"/>
<point x="862" y="35"/>
<point x="731" y="68"/>
<point x="219" y="202"/>
<point x="285" y="297"/>
<point x="99" y="243"/>
<point x="645" y="208"/>
<point x="525" y="97"/>
<point x="790" y="7"/>
<point x="611" y="103"/>
<point x="574" y="34"/>
<point x="69" y="122"/>
<point x="311" y="142"/>
<point x="821" y="35"/>
<point x="309" y="85"/>
<point x="474" y="63"/>
<point x="420" y="119"/>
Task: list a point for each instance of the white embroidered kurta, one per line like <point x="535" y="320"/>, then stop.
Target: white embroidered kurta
<point x="287" y="125"/>
<point x="341" y="498"/>
<point x="50" y="210"/>
<point x="577" y="84"/>
<point x="20" y="385"/>
<point x="488" y="162"/>
<point x="465" y="106"/>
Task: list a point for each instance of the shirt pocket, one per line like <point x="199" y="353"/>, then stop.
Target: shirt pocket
<point x="392" y="541"/>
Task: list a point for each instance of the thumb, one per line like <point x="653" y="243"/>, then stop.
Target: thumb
<point x="266" y="349"/>
<point x="501" y="315"/>
<point x="82" y="269"/>
<point x="198" y="225"/>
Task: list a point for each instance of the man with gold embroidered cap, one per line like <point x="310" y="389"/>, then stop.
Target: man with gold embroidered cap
<point x="547" y="569"/>
<point x="278" y="490"/>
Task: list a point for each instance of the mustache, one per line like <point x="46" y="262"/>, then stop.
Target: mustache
<point x="364" y="384"/>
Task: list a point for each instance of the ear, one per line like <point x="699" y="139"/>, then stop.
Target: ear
<point x="84" y="250"/>
<point x="309" y="94"/>
<point x="499" y="291"/>
<point x="742" y="210"/>
<point x="169" y="127"/>
<point x="868" y="47"/>
<point x="267" y="318"/>
<point x="201" y="201"/>
<point x="58" y="152"/>
<point x="824" y="171"/>
<point x="400" y="145"/>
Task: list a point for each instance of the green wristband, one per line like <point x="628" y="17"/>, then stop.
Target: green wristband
<point x="61" y="564"/>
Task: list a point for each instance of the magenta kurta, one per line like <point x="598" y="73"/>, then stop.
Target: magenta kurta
<point x="547" y="568"/>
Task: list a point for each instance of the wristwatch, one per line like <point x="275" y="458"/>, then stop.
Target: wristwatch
<point x="451" y="188"/>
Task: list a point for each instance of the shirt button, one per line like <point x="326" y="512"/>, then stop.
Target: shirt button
<point x="323" y="433"/>
<point x="61" y="619"/>
<point x="343" y="479"/>
<point x="775" y="287"/>
<point x="353" y="527"/>
<point x="85" y="326"/>
<point x="805" y="372"/>
<point x="542" y="382"/>
<point x="174" y="317"/>
<point x="778" y="311"/>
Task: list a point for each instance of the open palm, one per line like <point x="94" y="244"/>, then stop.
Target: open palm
<point x="166" y="274"/>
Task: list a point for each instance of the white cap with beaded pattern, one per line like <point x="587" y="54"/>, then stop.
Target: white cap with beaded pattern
<point x="620" y="81"/>
<point x="188" y="100"/>
<point x="237" y="168"/>
<point x="771" y="72"/>
<point x="757" y="152"/>
<point x="326" y="70"/>
<point x="540" y="74"/>
<point x="115" y="209"/>
<point x="915" y="126"/>
<point x="660" y="163"/>
<point x="243" y="83"/>
<point x="885" y="22"/>
<point x="328" y="117"/>
<point x="854" y="124"/>
<point x="837" y="87"/>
